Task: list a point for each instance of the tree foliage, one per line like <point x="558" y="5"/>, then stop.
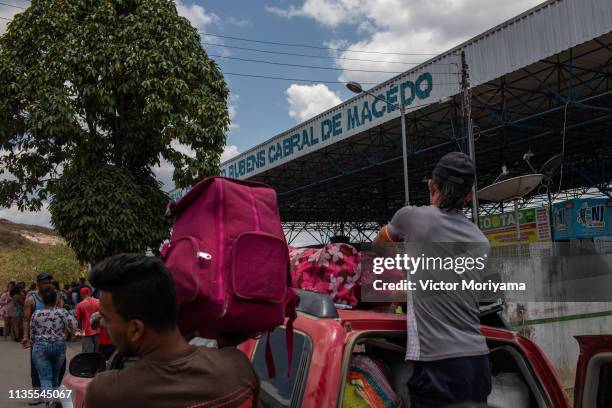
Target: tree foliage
<point x="100" y="211"/>
<point x="93" y="94"/>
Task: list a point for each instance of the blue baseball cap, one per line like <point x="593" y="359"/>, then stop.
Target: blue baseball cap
<point x="43" y="276"/>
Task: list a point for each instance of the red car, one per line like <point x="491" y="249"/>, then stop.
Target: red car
<point x="326" y="337"/>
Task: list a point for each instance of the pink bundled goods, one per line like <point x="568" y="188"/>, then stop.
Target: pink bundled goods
<point x="334" y="269"/>
<point x="338" y="270"/>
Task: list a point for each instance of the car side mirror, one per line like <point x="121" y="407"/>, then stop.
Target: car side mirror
<point x="87" y="365"/>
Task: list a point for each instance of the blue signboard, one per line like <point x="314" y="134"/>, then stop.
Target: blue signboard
<point x="413" y="89"/>
<point x="561" y="213"/>
<point x="582" y="218"/>
<point x="178" y="193"/>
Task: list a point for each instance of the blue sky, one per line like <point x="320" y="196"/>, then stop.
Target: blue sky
<point x="262" y="108"/>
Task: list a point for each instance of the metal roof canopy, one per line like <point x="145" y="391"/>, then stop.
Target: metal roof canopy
<point x="357" y="181"/>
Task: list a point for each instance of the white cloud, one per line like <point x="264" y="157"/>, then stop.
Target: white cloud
<point x="238" y="23"/>
<point x="181" y="148"/>
<point x="402" y="26"/>
<point x="164" y="171"/>
<point x="228" y="152"/>
<point x="330" y="13"/>
<point x="306" y="101"/>
<point x="231" y="109"/>
<point x="42" y="217"/>
<point x="196" y="14"/>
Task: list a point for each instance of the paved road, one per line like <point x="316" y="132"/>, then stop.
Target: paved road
<point x="15" y="370"/>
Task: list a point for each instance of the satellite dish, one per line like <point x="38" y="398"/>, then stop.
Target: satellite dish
<point x="510" y="189"/>
<point x="552" y="165"/>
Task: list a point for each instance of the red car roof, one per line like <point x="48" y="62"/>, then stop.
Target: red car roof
<point x="370" y="320"/>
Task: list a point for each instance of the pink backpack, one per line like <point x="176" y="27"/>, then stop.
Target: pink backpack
<point x="230" y="261"/>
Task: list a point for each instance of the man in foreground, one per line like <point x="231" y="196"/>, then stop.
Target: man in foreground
<point x="451" y="362"/>
<point x="138" y="309"/>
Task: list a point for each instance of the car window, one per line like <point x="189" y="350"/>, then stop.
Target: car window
<point x="604" y="394"/>
<point x="282" y="391"/>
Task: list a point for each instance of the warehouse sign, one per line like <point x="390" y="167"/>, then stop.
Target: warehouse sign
<point x="423" y="86"/>
<point x="582" y="218"/>
<point x="500" y="228"/>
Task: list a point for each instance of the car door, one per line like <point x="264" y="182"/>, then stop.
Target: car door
<point x="593" y="386"/>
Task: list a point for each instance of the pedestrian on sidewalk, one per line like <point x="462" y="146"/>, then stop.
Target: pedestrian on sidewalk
<point x="85" y="309"/>
<point x="15" y="311"/>
<point x="33" y="303"/>
<point x="5" y="300"/>
<point x="48" y="328"/>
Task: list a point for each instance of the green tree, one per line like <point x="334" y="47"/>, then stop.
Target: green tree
<point x="93" y="94"/>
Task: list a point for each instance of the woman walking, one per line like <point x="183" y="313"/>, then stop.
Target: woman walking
<point x="48" y="329"/>
<point x="5" y="301"/>
<point x="15" y="311"/>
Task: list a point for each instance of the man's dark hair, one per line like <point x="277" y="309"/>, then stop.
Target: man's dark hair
<point x="452" y="194"/>
<point x="49" y="296"/>
<point x="56" y="285"/>
<point x="141" y="288"/>
<point x="15" y="291"/>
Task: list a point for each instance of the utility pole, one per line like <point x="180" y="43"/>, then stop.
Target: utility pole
<point x="469" y="130"/>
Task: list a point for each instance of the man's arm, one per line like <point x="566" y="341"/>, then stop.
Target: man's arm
<point x="395" y="231"/>
<point x="383" y="237"/>
<point x="78" y="314"/>
<point x="97" y="393"/>
<point x="70" y="323"/>
<point x="380" y="243"/>
<point x="28" y="309"/>
<point x="95" y="320"/>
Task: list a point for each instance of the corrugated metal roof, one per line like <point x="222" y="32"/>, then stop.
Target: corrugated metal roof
<point x="538" y="33"/>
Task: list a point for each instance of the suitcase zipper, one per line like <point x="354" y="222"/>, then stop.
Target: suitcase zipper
<point x="221" y="243"/>
<point x="255" y="211"/>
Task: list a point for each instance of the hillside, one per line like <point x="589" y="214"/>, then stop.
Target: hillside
<point x="26" y="250"/>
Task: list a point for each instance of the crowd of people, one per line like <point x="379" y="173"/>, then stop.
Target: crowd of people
<point x="45" y="317"/>
<point x="135" y="305"/>
<point x="13" y="299"/>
